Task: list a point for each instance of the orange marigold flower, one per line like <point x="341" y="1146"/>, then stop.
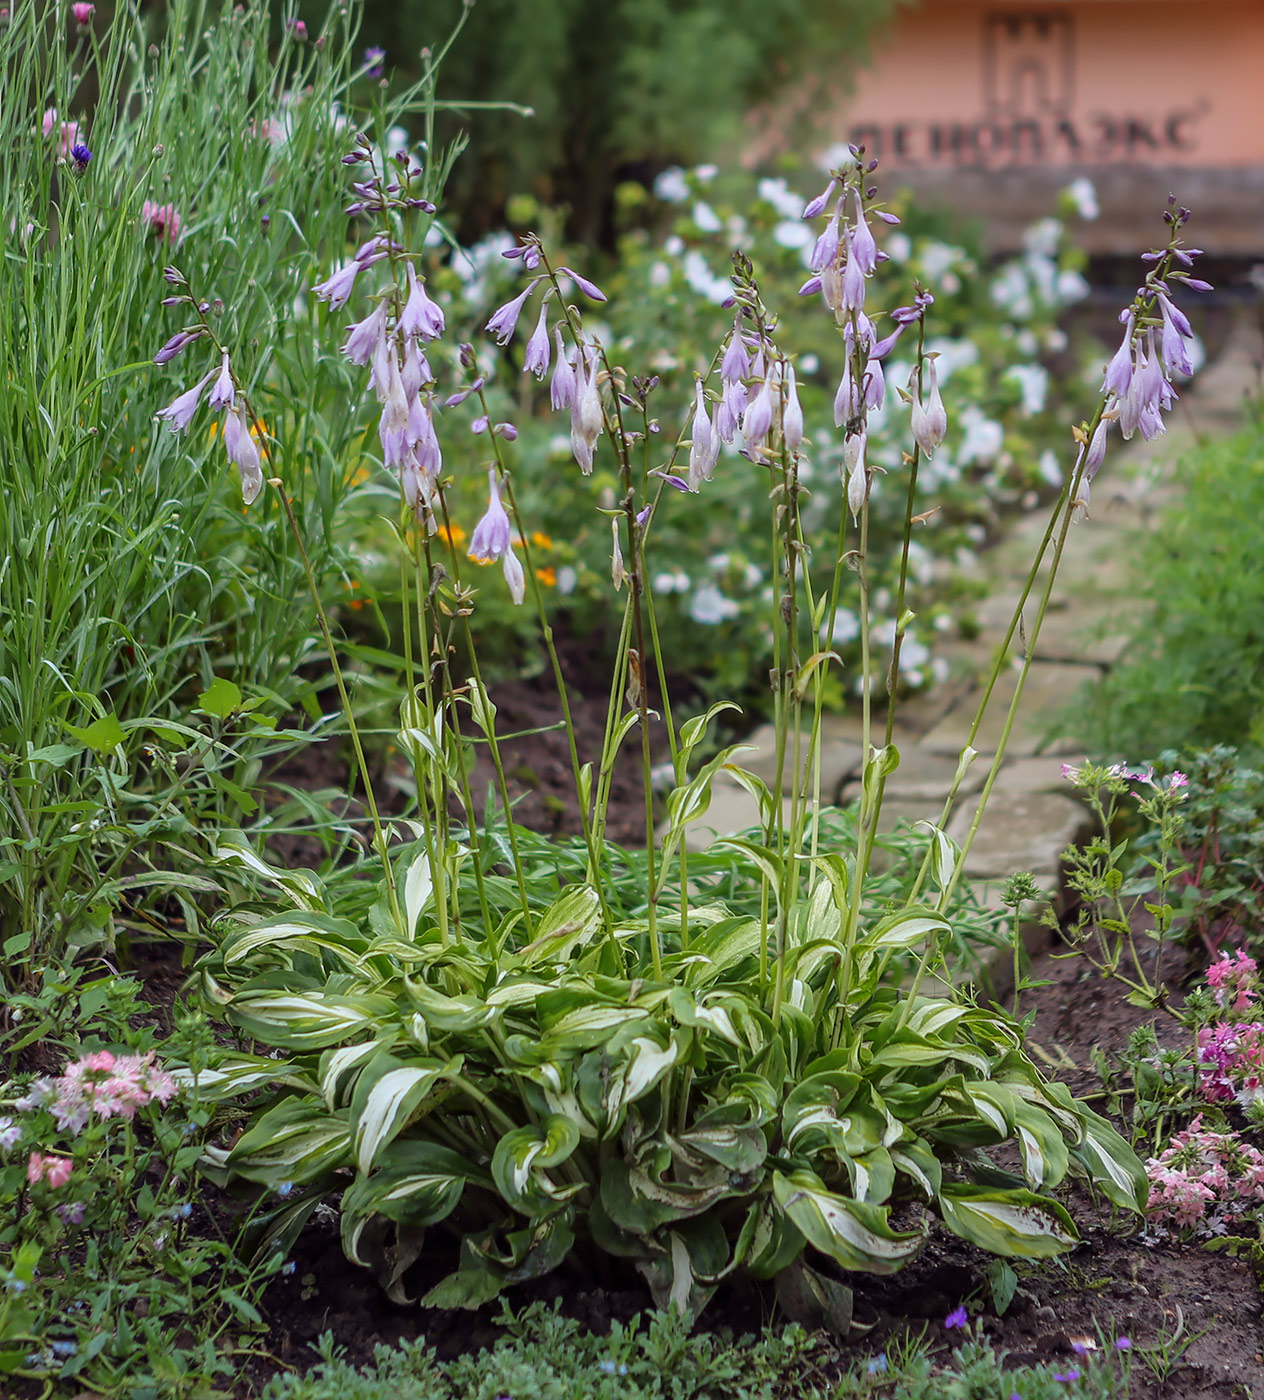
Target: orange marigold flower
<point x="451" y="534"/>
<point x="541" y="540"/>
<point x="547" y="576"/>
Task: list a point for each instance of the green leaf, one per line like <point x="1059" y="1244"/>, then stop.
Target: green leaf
<point x="387" y="1094"/>
<point x="525" y="1154"/>
<point x="220" y="699"/>
<point x="102" y="735"/>
<point x="1112" y="1164"/>
<point x="1015" y="1223"/>
<point x="854" y="1234"/>
<point x="907" y="928"/>
<point x="294" y="1141"/>
<point x="570" y="921"/>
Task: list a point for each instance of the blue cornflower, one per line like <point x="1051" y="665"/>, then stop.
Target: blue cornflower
<point x="81" y="155"/>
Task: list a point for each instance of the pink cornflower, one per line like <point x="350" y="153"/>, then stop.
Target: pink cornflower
<point x="163" y="220"/>
<point x="83" y="13"/>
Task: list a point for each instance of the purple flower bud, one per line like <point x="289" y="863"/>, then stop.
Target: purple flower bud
<point x="178" y="342"/>
<point x="536" y="359"/>
<point x="504" y="319"/>
<point x="875" y="385"/>
<point x="562" y="385"/>
<point x="373" y="60"/>
<point x="810" y="287"/>
<point x="589" y="289"/>
<point x="677" y="481"/>
<point x="507" y="431"/>
<point x="853" y="285"/>
<point x="882" y="348"/>
<point x="1196" y="284"/>
<point x="856" y="472"/>
<point x="513" y="252"/>
<point x="847" y="400"/>
<point x="816" y="206"/>
<point x="479" y="425"/>
<point x="1096" y="453"/>
<point x="224" y="394"/>
<point x="886" y="216"/>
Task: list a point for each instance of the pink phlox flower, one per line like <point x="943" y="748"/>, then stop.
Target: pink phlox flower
<point x="10" y="1133"/>
<point x="55" y="1170"/>
<point x="163" y="220"/>
<point x="1234" y="981"/>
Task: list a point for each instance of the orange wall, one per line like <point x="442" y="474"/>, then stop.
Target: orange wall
<point x="1108" y="82"/>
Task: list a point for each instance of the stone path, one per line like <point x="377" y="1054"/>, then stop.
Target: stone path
<point x="1031" y="816"/>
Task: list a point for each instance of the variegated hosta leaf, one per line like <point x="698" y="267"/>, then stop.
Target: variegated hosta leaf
<point x="300" y="932"/>
<point x="302" y="886"/>
<point x="682" y="1269"/>
<point x="854" y="1234"/>
<point x="573" y="919"/>
<point x="308" y="1021"/>
<point x="1112" y="1164"/>
<point x="523" y="1157"/>
<point x="335" y="1065"/>
<point x="235" y="1074"/>
<point x="387" y="1094"/>
<point x="1015" y="1223"/>
<point x="444" y="1013"/>
<point x="645" y="1064"/>
<point x="293" y="1142"/>
<point x="1043" y="1148"/>
<point x="915" y="1159"/>
<point x="419" y="1182"/>
<point x="909" y="928"/>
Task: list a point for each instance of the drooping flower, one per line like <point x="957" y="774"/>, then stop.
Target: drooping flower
<point x="735" y="365"/>
<point x="243" y="452"/>
<point x="179" y="412"/>
<point x="223" y="394"/>
<point x="562" y="385"/>
<point x="421" y="317"/>
<point x="504" y="319"/>
<point x="855" y="472"/>
<point x="586" y="414"/>
<point x="792" y="413"/>
<point x="704" y="445"/>
<point x="757" y="420"/>
<point x="366" y="337"/>
<point x="336" y="289"/>
<point x="492" y="539"/>
<point x="863" y="247"/>
<point x="536" y="359"/>
<point x="929" y="421"/>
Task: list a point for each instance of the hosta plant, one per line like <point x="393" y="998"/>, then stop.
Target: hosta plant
<point x="734" y="1062"/>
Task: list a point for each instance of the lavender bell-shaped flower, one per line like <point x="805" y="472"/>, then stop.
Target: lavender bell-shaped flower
<point x="243" y="453"/>
<point x="704" y="445"/>
<point x="492" y="539"/>
<point x="792" y="413"/>
<point x="586" y="415"/>
<point x="562" y="386"/>
<point x="179" y="412"/>
<point x="366" y="337"/>
<point x="847" y="401"/>
<point x="1119" y="370"/>
<point x="536" y="359"/>
<point x="852" y="286"/>
<point x="504" y="319"/>
<point x="1176" y="331"/>
<point x="855" y="472"/>
<point x="590" y="289"/>
<point x="929" y="421"/>
<point x="825" y="249"/>
<point x="757" y="421"/>
<point x="816" y="207"/>
<point x="863" y="246"/>
<point x="875" y="384"/>
<point x="421" y="317"/>
<point x="736" y="365"/>
<point x="223" y="394"/>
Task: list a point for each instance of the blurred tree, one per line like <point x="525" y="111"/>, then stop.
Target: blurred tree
<point x="620" y="88"/>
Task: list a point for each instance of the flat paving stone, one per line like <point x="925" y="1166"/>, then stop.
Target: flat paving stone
<point x="1020" y="831"/>
<point x="1052" y="688"/>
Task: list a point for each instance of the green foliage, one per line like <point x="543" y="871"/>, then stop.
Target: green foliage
<point x="543" y="1356"/>
<point x="120" y="1279"/>
<point x="1193" y="674"/>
